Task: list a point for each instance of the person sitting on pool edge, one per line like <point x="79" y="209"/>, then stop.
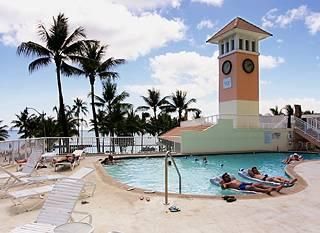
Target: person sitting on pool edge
<point x="108" y="160"/>
<point x="293" y="157"/>
<point x="227" y="182"/>
<point x="254" y="173"/>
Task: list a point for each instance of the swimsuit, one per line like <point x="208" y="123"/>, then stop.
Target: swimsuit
<point x="265" y="177"/>
<point x="243" y="185"/>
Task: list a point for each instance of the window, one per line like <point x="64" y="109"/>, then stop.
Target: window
<point x="240" y="44"/>
<point x="247" y="45"/>
<point x="232" y="44"/>
<point x="227" y="47"/>
<point x="222" y="48"/>
<point x="253" y="46"/>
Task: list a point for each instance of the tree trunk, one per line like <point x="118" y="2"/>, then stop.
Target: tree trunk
<point x="289" y="121"/>
<point x="62" y="115"/>
<point x="180" y="116"/>
<point x="94" y="115"/>
<point x="112" y="141"/>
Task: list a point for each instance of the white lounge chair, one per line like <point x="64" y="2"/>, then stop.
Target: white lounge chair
<point x="57" y="208"/>
<point x="76" y="161"/>
<point x="27" y="170"/>
<point x="20" y="196"/>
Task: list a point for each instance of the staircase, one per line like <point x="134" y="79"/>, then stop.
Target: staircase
<point x="307" y="131"/>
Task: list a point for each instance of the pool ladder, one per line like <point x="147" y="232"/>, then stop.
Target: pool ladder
<point x="166" y="176"/>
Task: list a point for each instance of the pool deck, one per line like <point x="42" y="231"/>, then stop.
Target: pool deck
<point x="115" y="209"/>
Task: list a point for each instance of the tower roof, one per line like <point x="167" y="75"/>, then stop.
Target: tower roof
<point x="239" y="24"/>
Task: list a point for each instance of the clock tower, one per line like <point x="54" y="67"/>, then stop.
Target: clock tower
<point x="238" y="57"/>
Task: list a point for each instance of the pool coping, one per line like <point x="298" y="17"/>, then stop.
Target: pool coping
<point x="300" y="185"/>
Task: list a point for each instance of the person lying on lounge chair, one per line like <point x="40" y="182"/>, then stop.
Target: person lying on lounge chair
<point x="227" y="182"/>
<point x="68" y="158"/>
<point x="293" y="157"/>
<point x="254" y="173"/>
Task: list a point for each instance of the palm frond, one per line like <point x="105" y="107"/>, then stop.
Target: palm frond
<point x="38" y="63"/>
<point x="33" y="49"/>
<point x="143" y="108"/>
<point x="69" y="70"/>
<point x="76" y="35"/>
<point x="193" y="100"/>
<point x="43" y="33"/>
<point x="74" y="48"/>
<point x="110" y="63"/>
<point x="80" y="59"/>
<point x="108" y="75"/>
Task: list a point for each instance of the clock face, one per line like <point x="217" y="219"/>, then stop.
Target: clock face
<point x="248" y="65"/>
<point x="226" y="67"/>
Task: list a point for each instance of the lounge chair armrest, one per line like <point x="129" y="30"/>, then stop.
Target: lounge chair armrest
<point x="87" y="216"/>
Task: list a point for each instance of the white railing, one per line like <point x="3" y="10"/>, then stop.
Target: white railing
<point x="170" y="143"/>
<point x="19" y="149"/>
<point x="307" y="129"/>
<point x="314" y="122"/>
<point x="210" y="120"/>
<point x="241" y="121"/>
<point x="22" y="148"/>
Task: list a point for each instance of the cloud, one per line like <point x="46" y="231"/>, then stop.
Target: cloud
<point x="149" y="5"/>
<point x="272" y="20"/>
<point x="205" y="24"/>
<point x="129" y="35"/>
<point x="310" y="104"/>
<point x="187" y="71"/>
<point x="270" y="62"/>
<point x="311" y="19"/>
<point x="313" y="23"/>
<point x="279" y="41"/>
<point x="191" y="72"/>
<point x="210" y="2"/>
<point x="264" y="82"/>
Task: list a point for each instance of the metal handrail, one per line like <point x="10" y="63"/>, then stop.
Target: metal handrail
<point x="305" y="126"/>
<point x="166" y="176"/>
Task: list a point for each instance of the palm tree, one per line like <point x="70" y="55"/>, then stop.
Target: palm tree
<point x="275" y="111"/>
<point x="79" y="107"/>
<point x="180" y="104"/>
<point x="289" y="113"/>
<point x="153" y="101"/>
<point x="94" y="66"/>
<point x="3" y="132"/>
<point x="24" y="123"/>
<point x="112" y="111"/>
<point x="59" y="47"/>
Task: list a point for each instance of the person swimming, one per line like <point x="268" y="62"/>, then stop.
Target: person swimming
<point x="205" y="160"/>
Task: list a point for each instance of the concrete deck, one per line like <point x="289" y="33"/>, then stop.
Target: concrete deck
<point x="115" y="209"/>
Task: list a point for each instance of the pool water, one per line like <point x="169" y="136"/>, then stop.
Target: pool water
<point x="148" y="173"/>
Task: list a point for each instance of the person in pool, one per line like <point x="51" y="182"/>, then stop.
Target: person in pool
<point x="227" y="182"/>
<point x="254" y="173"/>
<point x="293" y="157"/>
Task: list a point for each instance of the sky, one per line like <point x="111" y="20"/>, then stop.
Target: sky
<point x="164" y="44"/>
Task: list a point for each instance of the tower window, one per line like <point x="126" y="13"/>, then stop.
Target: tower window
<point x="240" y="44"/>
<point x="222" y="48"/>
<point x="232" y="44"/>
<point x="247" y="45"/>
<point x="227" y="47"/>
<point x="253" y="46"/>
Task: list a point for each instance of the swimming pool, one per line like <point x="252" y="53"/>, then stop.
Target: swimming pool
<point x="148" y="173"/>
